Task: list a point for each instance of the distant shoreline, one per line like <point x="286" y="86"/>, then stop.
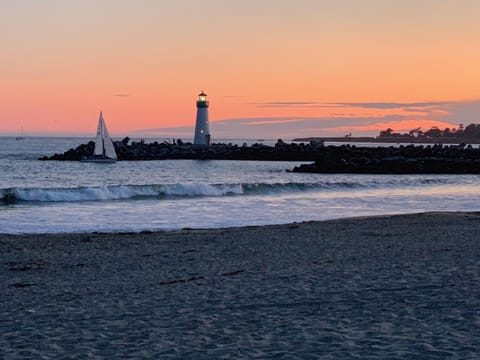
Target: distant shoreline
<point x="389" y="140"/>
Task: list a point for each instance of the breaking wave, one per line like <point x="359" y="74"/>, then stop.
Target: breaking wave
<point x="123" y="192"/>
<point x="169" y="191"/>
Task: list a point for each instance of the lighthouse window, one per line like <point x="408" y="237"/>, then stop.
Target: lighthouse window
<point x="202" y="98"/>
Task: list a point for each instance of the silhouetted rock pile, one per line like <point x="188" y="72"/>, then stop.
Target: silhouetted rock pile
<point x="436" y="159"/>
<point x="180" y="150"/>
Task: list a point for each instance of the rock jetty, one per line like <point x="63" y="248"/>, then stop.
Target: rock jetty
<point x="140" y="150"/>
<point x="410" y="159"/>
<point x="436" y="159"/>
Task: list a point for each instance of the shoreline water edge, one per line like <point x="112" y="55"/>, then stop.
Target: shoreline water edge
<point x="375" y="287"/>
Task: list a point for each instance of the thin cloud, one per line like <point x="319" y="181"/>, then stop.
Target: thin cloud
<point x="390" y="105"/>
<point x="290" y="104"/>
<point x="300" y="122"/>
<point x="363" y="105"/>
<point x="121" y="95"/>
<point x="416" y="110"/>
<point x="465" y="112"/>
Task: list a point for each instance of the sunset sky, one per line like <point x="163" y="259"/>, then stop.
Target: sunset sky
<point x="271" y="68"/>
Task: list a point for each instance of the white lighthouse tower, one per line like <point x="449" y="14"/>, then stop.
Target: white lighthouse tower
<point x="202" y="129"/>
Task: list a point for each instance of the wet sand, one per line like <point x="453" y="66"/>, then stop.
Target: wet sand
<point x="405" y="286"/>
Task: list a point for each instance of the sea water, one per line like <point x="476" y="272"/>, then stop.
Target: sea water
<point x="63" y="196"/>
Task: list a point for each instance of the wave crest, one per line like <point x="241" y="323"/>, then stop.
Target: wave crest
<point x="120" y="192"/>
<point x="166" y="191"/>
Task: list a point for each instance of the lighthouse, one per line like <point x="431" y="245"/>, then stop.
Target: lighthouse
<point x="202" y="129"/>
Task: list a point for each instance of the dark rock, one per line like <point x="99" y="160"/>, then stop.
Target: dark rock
<point x="327" y="159"/>
<point x="400" y="160"/>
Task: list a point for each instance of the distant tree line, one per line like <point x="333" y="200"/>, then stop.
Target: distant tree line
<point x="471" y="131"/>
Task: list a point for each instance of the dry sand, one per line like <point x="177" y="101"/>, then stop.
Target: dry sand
<point x="405" y="286"/>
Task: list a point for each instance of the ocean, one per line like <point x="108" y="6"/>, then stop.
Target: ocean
<point x="132" y="196"/>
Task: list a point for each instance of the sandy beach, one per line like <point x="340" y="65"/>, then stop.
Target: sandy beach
<point x="404" y="286"/>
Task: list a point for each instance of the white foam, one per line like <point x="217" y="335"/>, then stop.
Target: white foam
<point x="83" y="194"/>
<point x="106" y="193"/>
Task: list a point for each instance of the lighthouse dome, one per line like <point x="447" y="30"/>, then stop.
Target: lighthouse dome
<point x="202" y="100"/>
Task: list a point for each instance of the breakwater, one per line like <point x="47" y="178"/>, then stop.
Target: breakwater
<point x="436" y="159"/>
<point x="139" y="150"/>
<point x="420" y="159"/>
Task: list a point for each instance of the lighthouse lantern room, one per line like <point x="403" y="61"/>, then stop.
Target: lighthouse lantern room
<point x="202" y="128"/>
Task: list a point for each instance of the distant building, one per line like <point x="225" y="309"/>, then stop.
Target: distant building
<point x="202" y="128"/>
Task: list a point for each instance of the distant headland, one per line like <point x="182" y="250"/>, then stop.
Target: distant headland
<point x="467" y="135"/>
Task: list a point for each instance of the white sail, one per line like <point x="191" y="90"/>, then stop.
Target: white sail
<point x="103" y="143"/>
<point x="99" y="138"/>
<point x="108" y="143"/>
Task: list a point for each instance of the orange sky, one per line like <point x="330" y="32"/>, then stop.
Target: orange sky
<point x="63" y="62"/>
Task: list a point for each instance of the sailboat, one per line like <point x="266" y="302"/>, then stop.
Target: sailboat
<point x="104" y="150"/>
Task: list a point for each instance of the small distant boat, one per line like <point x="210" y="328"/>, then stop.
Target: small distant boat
<point x="21" y="135"/>
<point x="104" y="150"/>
